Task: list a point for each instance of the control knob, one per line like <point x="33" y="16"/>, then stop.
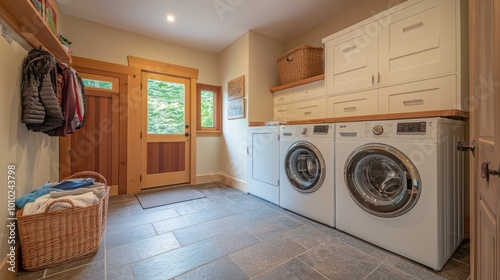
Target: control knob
<point x="378" y="129"/>
<point x="303" y="130"/>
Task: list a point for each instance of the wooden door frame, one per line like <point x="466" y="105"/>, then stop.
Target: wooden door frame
<point x="146" y="65"/>
<point x="474" y="122"/>
<point x="128" y="173"/>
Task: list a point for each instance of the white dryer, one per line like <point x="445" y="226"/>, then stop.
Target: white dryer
<point x="263" y="162"/>
<point x="400" y="186"/>
<point x="307" y="171"/>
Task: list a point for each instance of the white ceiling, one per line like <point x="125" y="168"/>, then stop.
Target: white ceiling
<point x="208" y="25"/>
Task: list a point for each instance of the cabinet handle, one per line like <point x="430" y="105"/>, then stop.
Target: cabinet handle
<point x="409" y="102"/>
<point x="413" y="26"/>
<point x="281" y="99"/>
<point x="307" y="113"/>
<point x="349" y="49"/>
<point x="373" y="80"/>
<point x="350" y="109"/>
<point x="281" y="111"/>
<point x="307" y="107"/>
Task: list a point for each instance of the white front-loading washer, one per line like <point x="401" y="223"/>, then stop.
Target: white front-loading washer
<point x="263" y="162"/>
<point x="400" y="186"/>
<point x="307" y="171"/>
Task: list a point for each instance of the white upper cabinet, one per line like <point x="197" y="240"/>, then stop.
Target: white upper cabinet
<point x="352" y="60"/>
<point x="418" y="42"/>
<point x="412" y="42"/>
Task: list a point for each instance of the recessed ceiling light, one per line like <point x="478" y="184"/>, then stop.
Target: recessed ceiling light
<point x="170" y="18"/>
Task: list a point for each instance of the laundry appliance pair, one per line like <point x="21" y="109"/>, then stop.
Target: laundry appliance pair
<point x="397" y="184"/>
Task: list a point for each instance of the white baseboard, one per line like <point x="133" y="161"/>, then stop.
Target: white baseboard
<point x="208" y="178"/>
<point x="233" y="182"/>
<point x="218" y="177"/>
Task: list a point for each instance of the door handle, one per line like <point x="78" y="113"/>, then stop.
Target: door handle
<point x="486" y="171"/>
<point x="186" y="134"/>
<point x="465" y="146"/>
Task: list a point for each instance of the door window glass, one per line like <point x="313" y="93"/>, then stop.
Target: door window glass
<point x="166" y="107"/>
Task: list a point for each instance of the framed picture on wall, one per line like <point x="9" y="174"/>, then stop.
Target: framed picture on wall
<point x="236" y="88"/>
<point x="236" y="109"/>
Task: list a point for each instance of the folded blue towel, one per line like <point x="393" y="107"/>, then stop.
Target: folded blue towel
<point x="74" y="184"/>
<point x="51" y="187"/>
<point x="32" y="196"/>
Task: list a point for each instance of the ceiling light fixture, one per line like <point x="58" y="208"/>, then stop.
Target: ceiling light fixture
<point x="170" y="18"/>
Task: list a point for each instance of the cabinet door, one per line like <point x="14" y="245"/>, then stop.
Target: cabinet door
<point x="418" y="42"/>
<point x="426" y="95"/>
<point x="283" y="112"/>
<point x="351" y="60"/>
<point x="354" y="104"/>
<point x="283" y="97"/>
<point x="308" y="110"/>
<point x="309" y="91"/>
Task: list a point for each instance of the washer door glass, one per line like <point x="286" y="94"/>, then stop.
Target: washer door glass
<point x="382" y="180"/>
<point x="305" y="167"/>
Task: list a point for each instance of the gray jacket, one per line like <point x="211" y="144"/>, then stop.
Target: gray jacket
<point x="41" y="109"/>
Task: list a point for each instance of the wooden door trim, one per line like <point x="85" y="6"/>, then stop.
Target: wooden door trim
<point x="139" y="65"/>
<point x="163" y="68"/>
<point x="472" y="160"/>
<point x="133" y="102"/>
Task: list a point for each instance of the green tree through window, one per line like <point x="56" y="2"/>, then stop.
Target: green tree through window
<point x="207" y="108"/>
<point x="166" y="107"/>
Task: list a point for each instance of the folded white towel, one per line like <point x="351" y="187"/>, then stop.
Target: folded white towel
<point x="39" y="205"/>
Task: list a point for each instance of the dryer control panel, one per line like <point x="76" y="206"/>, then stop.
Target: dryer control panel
<point x="413" y="128"/>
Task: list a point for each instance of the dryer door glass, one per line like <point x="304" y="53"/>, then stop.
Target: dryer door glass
<point x="382" y="180"/>
<point x="305" y="167"/>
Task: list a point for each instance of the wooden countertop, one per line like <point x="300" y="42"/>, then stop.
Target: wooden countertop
<point x="457" y="114"/>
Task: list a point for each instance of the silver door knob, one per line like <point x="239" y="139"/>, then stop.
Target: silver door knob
<point x="486" y="171"/>
<point x="465" y="146"/>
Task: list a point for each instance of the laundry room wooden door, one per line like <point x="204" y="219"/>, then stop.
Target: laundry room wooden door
<point x="100" y="145"/>
<point x="485" y="130"/>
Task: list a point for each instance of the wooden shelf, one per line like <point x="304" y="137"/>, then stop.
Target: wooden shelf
<point x="298" y="83"/>
<point x="25" y="20"/>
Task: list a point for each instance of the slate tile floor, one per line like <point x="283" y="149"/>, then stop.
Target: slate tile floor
<point x="232" y="235"/>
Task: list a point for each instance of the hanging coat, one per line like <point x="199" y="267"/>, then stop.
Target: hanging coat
<point x="41" y="109"/>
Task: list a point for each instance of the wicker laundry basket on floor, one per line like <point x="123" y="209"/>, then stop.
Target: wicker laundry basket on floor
<point x="300" y="63"/>
<point x="57" y="237"/>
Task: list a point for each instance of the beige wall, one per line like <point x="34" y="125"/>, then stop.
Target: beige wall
<point x="104" y="43"/>
<point x="29" y="151"/>
<point x="234" y="62"/>
<point x="343" y="20"/>
<point x="263" y="75"/>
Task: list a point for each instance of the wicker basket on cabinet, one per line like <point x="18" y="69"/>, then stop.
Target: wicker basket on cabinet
<point x="300" y="63"/>
<point x="57" y="237"/>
